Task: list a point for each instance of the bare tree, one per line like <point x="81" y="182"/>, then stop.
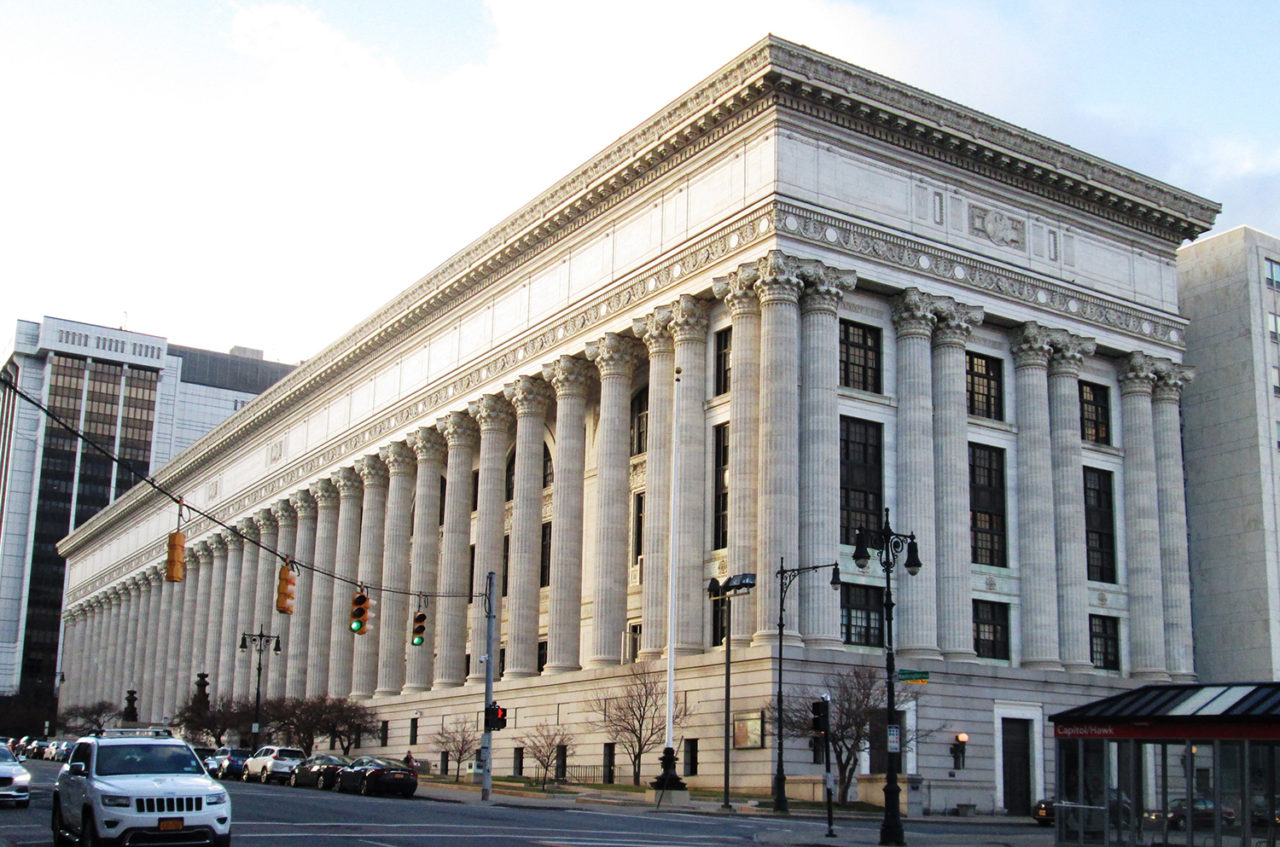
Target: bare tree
<point x="199" y="722"/>
<point x="459" y="739"/>
<point x="857" y="717"/>
<point x="543" y="743"/>
<point x="634" y="716"/>
<point x="93" y="717"/>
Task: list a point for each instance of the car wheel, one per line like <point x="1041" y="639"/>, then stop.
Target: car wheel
<point x="265" y="777"/>
<point x="60" y="837"/>
<point x="366" y="788"/>
<point x="322" y="782"/>
<point x="293" y="780"/>
<point x="244" y="774"/>
<point x="337" y="783"/>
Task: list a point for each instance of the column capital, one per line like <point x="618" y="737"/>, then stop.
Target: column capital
<point x="956" y="322"/>
<point x="825" y="287"/>
<point x="204" y="552"/>
<point x="459" y="429"/>
<point x="373" y="473"/>
<point x="493" y="413"/>
<point x="304" y="503"/>
<point x="530" y="395"/>
<point x="1171" y="378"/>
<point x="218" y="543"/>
<point x="569" y="375"/>
<point x="428" y="444"/>
<point x="615" y="355"/>
<point x="192" y="556"/>
<point x="234" y="540"/>
<point x="738" y="290"/>
<point x="1068" y="353"/>
<point x="266" y="521"/>
<point x="136" y="581"/>
<point x="1138" y="375"/>
<point x="913" y="313"/>
<point x="155" y="576"/>
<point x="1031" y="347"/>
<point x="324" y="492"/>
<point x="398" y="458"/>
<point x="654" y="329"/>
<point x="689" y="319"/>
<point x="284" y="513"/>
<point x="347" y="481"/>
<point x="779" y="280"/>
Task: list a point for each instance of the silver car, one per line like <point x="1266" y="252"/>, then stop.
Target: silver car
<point x="15" y="780"/>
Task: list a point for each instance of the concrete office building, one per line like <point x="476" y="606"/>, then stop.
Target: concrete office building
<point x="799" y="294"/>
<point x="136" y="395"/>
<point x="1230" y="290"/>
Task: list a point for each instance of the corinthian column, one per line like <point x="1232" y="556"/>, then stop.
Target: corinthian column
<point x="1036" y="555"/>
<point x="739" y="294"/>
<point x="779" y="291"/>
<point x="246" y="610"/>
<point x="951" y="463"/>
<point x="689" y="327"/>
<point x="264" y="598"/>
<point x="616" y="358"/>
<point x="820" y="450"/>
<point x="347" y="567"/>
<point x="655" y="331"/>
<point x="570" y="377"/>
<point x="494" y="416"/>
<point x="1166" y="395"/>
<point x="200" y="617"/>
<point x="401" y="464"/>
<point x="179" y="638"/>
<point x="230" y="637"/>
<point x="531" y="397"/>
<point x="149" y="710"/>
<point x="214" y="642"/>
<point x="186" y="629"/>
<point x="1068" y="499"/>
<point x="133" y="611"/>
<point x="373" y="528"/>
<point x="1142" y="521"/>
<point x="287" y="520"/>
<point x="424" y="555"/>
<point x="295" y="683"/>
<point x="913" y="318"/>
<point x="325" y="617"/>
<point x="111" y="645"/>
<point x="462" y="435"/>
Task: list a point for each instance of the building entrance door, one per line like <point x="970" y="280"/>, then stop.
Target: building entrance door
<point x="1016" y="765"/>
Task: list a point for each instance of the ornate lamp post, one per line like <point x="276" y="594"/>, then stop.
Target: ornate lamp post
<point x="786" y="576"/>
<point x="737" y="584"/>
<point x="889" y="545"/>
<point x="259" y="641"/>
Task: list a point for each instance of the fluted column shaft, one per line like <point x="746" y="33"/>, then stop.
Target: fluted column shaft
<point x="1166" y="396"/>
<point x="214" y="626"/>
<point x="1036" y="555"/>
<point x="655" y="331"/>
<point x="174" y="645"/>
<point x="531" y="397"/>
<point x="325" y="614"/>
<point x="187" y="646"/>
<point x="401" y="465"/>
<point x="951" y="463"/>
<point x="304" y="506"/>
<point x="689" y="327"/>
<point x="264" y="595"/>
<point x="164" y="652"/>
<point x="128" y="618"/>
<point x="282" y="625"/>
<point x="200" y="621"/>
<point x="616" y="358"/>
<point x="347" y="568"/>
<point x="229" y="637"/>
<point x="494" y="417"/>
<point x="570" y="377"/>
<point x="373" y="527"/>
<point x="820" y="450"/>
<point x="1142" y="522"/>
<point x="246" y="610"/>
<point x="462" y="435"/>
<point x="147" y="698"/>
<point x="916" y="624"/>
<point x="738" y="291"/>
<point x="779" y="541"/>
<point x="429" y="449"/>
<point x="137" y="610"/>
<point x="113" y="643"/>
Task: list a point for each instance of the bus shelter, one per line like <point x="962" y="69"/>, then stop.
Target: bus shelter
<point x="1170" y="765"/>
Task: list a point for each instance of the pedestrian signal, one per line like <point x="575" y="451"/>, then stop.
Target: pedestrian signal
<point x="495" y="717"/>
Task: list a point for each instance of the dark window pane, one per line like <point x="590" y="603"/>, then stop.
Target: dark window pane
<point x="985" y="386"/>
<point x="860" y="357"/>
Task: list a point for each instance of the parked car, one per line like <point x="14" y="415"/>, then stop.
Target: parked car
<point x="35" y="749"/>
<point x="1202" y="814"/>
<point x="318" y="770"/>
<point x="15" y="780"/>
<point x="375" y="775"/>
<point x="272" y="763"/>
<point x="1042" y="811"/>
<point x="228" y="762"/>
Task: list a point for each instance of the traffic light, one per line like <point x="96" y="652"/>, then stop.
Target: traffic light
<point x="360" y="611"/>
<point x="821" y="714"/>
<point x="175" y="561"/>
<point x="495" y="717"/>
<point x="419" y="628"/>
<point x="286" y="590"/>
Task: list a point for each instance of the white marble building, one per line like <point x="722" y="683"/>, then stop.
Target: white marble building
<point x="871" y="296"/>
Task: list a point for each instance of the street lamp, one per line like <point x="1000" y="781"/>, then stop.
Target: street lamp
<point x="259" y="641"/>
<point x="889" y="545"/>
<point x="786" y="576"/>
<point x="737" y="584"/>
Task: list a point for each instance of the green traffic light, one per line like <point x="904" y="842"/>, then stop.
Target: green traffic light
<point x="356" y="626"/>
<point x="417" y="640"/>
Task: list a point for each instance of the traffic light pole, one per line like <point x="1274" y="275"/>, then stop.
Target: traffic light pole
<point x="486" y="740"/>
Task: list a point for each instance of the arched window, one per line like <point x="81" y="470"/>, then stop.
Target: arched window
<point x="640" y="421"/>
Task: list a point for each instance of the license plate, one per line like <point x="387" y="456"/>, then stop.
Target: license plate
<point x="398" y="776"/>
<point x="170" y="824"/>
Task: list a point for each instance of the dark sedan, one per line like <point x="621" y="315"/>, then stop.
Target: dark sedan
<point x="318" y="770"/>
<point x="1043" y="812"/>
<point x="228" y="762"/>
<point x="374" y="775"/>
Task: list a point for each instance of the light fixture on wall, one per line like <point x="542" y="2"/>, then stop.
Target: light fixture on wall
<point x="957" y="750"/>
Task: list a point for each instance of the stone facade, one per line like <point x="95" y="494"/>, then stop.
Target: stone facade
<point x="794" y="251"/>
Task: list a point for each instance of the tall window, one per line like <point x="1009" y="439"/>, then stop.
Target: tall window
<point x="544" y="559"/>
<point x="1273" y="323"/>
<point x="1273" y="273"/>
<point x="1104" y="642"/>
<point x="720" y="487"/>
<point x="637" y="525"/>
<point x="984" y="377"/>
<point x="724" y="343"/>
<point x="862" y="615"/>
<point x="548" y="468"/>
<point x="718" y="622"/>
<point x="861" y="476"/>
<point x="991" y="629"/>
<point x="1099" y="524"/>
<point x="509" y="484"/>
<point x="986" y="506"/>
<point x="1095" y="413"/>
<point x="860" y="357"/>
<point x="640" y="422"/>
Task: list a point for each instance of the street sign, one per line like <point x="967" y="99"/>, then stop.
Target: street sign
<point x="913" y="676"/>
<point x="895" y="739"/>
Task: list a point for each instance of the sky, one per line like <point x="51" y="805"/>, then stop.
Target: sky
<point x="267" y="174"/>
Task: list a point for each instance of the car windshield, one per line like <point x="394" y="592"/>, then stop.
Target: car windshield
<point x="387" y="763"/>
<point x="128" y="759"/>
<point x="6" y="756"/>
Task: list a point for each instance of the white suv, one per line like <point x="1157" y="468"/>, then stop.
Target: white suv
<point x="138" y="785"/>
<point x="272" y="763"/>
